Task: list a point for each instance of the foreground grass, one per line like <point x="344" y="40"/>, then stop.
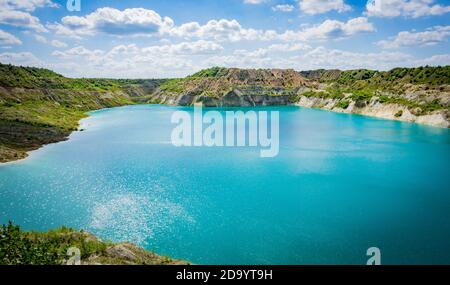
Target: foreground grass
<point x="18" y="247"/>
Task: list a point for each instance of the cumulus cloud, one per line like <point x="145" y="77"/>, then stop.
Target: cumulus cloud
<point x="20" y="58"/>
<point x="221" y="30"/>
<point x="54" y="43"/>
<point x="406" y="8"/>
<point x="8" y="39"/>
<point x="232" y="31"/>
<point x="322" y="57"/>
<point x="27" y="5"/>
<point x="21" y="19"/>
<point x="429" y="37"/>
<point x="323" y="6"/>
<point x="127" y="61"/>
<point x="289" y="47"/>
<point x="254" y="2"/>
<point x="58" y="44"/>
<point x="198" y="47"/>
<point x="107" y="20"/>
<point x="283" y="8"/>
<point x="330" y="29"/>
<point x="132" y="61"/>
<point x="147" y="22"/>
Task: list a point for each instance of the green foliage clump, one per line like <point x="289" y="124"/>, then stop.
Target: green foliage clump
<point x="211" y="72"/>
<point x="173" y="85"/>
<point x="351" y="76"/>
<point x="362" y="95"/>
<point x="49" y="248"/>
<point x="399" y="114"/>
<point x="32" y="77"/>
<point x="343" y="104"/>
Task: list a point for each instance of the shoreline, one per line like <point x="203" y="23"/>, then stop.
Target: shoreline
<point x="298" y="104"/>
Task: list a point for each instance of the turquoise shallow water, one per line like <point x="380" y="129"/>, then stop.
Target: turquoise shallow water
<point x="340" y="184"/>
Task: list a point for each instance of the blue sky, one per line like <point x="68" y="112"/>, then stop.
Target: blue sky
<point x="173" y="38"/>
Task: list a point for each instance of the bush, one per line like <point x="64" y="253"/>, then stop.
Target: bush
<point x="399" y="114"/>
<point x="343" y="104"/>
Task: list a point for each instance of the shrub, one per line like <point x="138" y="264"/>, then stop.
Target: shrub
<point x="343" y="104"/>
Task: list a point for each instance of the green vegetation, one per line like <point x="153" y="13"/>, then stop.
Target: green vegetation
<point x="427" y="75"/>
<point x="32" y="77"/>
<point x="33" y="98"/>
<point x="343" y="104"/>
<point x="399" y="114"/>
<point x="50" y="248"/>
<point x="44" y="107"/>
<point x="213" y="72"/>
<point x="18" y="247"/>
<point x="173" y="85"/>
<point x="423" y="108"/>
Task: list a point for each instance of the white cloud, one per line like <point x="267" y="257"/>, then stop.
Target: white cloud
<point x="147" y="22"/>
<point x="322" y="57"/>
<point x="289" y="47"/>
<point x="254" y="2"/>
<point x="435" y="60"/>
<point x="333" y="58"/>
<point x="40" y="38"/>
<point x="128" y="61"/>
<point x="189" y="48"/>
<point x="21" y="19"/>
<point x="20" y="58"/>
<point x="58" y="44"/>
<point x="8" y="39"/>
<point x="132" y="61"/>
<point x="54" y="43"/>
<point x="330" y="29"/>
<point x="79" y="51"/>
<point x="134" y="21"/>
<point x="323" y="6"/>
<point x="232" y="31"/>
<point x="429" y="37"/>
<point x="221" y="30"/>
<point x="406" y="8"/>
<point x="283" y="8"/>
<point x="27" y="5"/>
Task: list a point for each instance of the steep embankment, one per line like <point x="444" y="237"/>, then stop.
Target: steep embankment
<point x="420" y="95"/>
<point x="38" y="106"/>
<point x="18" y="247"/>
<point x="216" y="87"/>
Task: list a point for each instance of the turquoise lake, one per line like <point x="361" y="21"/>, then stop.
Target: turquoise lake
<point x="340" y="184"/>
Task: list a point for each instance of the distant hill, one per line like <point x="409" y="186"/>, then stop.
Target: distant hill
<point x="399" y="77"/>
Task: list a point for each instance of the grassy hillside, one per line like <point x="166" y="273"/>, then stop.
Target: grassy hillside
<point x="39" y="106"/>
<point x="422" y="89"/>
<point x="18" y="247"/>
<point x="397" y="79"/>
<point x="218" y="81"/>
